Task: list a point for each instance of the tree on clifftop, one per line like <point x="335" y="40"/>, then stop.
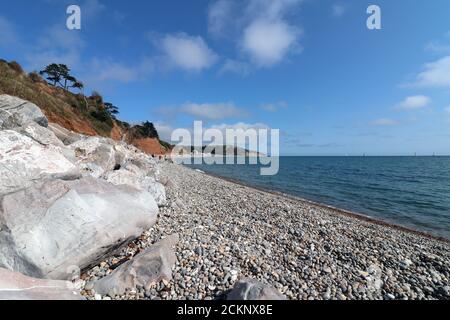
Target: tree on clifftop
<point x="59" y="74"/>
<point x="78" y="85"/>
<point x="53" y="72"/>
<point x="111" y="109"/>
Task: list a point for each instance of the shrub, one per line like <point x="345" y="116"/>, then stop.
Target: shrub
<point x="165" y="144"/>
<point x="101" y="115"/>
<point x="35" y="77"/>
<point x="15" y="66"/>
<point x="96" y="97"/>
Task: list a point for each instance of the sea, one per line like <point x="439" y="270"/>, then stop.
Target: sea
<point x="413" y="192"/>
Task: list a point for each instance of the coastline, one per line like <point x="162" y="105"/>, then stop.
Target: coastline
<point x="349" y="213"/>
<point x="229" y="231"/>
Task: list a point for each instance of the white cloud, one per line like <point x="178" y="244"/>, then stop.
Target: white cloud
<point x="37" y="60"/>
<point x="437" y="47"/>
<point x="338" y="10"/>
<point x="447" y="109"/>
<point x="435" y="74"/>
<point x="91" y="8"/>
<point x="384" y="122"/>
<point x="264" y="34"/>
<point x="56" y="45"/>
<point x="267" y="42"/>
<point x="274" y="107"/>
<point x="240" y="126"/>
<point x="59" y="38"/>
<point x="103" y="74"/>
<point x="109" y="70"/>
<point x="268" y="36"/>
<point x="234" y="66"/>
<point x="187" y="52"/>
<point x="164" y="131"/>
<point x="219" y="17"/>
<point x="271" y="9"/>
<point x="414" y="102"/>
<point x="213" y="111"/>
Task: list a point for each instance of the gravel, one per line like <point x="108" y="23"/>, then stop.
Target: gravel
<point x="306" y="251"/>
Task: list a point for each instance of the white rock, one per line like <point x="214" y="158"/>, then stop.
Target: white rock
<point x="10" y="105"/>
<point x="250" y="289"/>
<point x="95" y="155"/>
<point x="31" y="129"/>
<point x="66" y="136"/>
<point x="55" y="226"/>
<point x="145" y="269"/>
<point x="135" y="177"/>
<point x="23" y="161"/>
<point x="16" y="286"/>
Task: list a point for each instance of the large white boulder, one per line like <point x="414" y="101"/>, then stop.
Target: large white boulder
<point x="96" y="155"/>
<point x="18" y="122"/>
<point x="10" y="105"/>
<point x="24" y="160"/>
<point x="53" y="227"/>
<point x="135" y="177"/>
<point x="16" y="286"/>
<point x="66" y="136"/>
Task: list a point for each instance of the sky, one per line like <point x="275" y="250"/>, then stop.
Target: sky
<point x="310" y="68"/>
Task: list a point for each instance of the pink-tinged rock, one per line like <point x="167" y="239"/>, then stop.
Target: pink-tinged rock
<point x="23" y="161"/>
<point x="145" y="269"/>
<point x="16" y="286"/>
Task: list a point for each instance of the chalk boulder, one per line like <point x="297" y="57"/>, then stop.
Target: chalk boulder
<point x="10" y="105"/>
<point x="54" y="226"/>
<point x="23" y="161"/>
<point x="135" y="177"/>
<point x="145" y="269"/>
<point x="16" y="286"/>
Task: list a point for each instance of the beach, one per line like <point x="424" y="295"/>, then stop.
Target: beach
<point x="228" y="231"/>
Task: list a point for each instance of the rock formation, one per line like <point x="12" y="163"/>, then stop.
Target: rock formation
<point x="146" y="269"/>
<point x="67" y="200"/>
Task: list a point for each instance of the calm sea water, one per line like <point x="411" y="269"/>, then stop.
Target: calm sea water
<point x="409" y="191"/>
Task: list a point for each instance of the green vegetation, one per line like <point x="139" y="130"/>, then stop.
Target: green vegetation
<point x="59" y="74"/>
<point x="55" y="101"/>
<point x="145" y="130"/>
<point x="54" y="97"/>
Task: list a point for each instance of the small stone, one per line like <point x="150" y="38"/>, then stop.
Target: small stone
<point x="389" y="296"/>
<point x="89" y="285"/>
<point x="327" y="294"/>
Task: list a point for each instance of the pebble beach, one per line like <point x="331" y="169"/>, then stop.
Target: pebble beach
<point x="228" y="231"/>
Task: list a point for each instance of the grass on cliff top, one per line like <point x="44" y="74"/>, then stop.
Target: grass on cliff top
<point x="53" y="101"/>
<point x="62" y="104"/>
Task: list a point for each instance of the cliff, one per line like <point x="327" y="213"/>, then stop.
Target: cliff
<point x="76" y="112"/>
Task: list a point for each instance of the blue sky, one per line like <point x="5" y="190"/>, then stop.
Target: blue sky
<point x="310" y="68"/>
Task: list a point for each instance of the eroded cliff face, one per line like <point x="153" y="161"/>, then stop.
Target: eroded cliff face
<point x="149" y="146"/>
<point x="71" y="111"/>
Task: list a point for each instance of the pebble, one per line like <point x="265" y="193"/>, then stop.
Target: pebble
<point x="306" y="251"/>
